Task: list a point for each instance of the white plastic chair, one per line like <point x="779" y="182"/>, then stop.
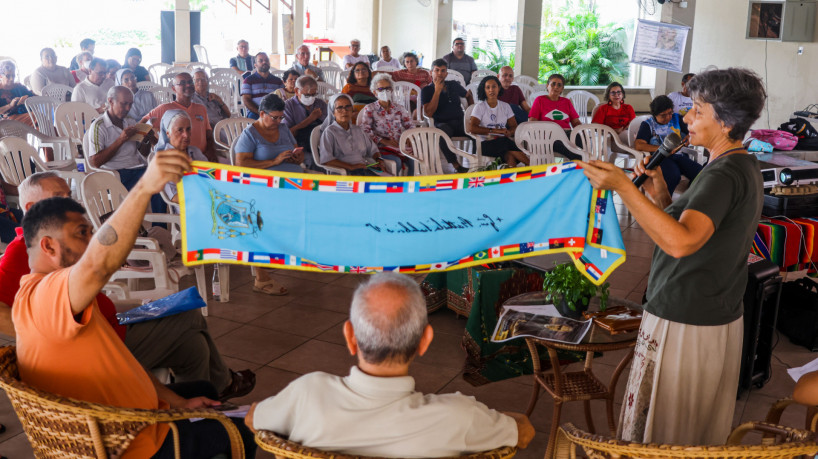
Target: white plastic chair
<point x="146" y="85"/>
<point x="456" y="76"/>
<point x="633" y="128"/>
<point x="41" y="110"/>
<point x="27" y="82"/>
<point x="525" y="80"/>
<point x="540" y="87"/>
<point x="477" y="159"/>
<point x="479" y="74"/>
<point x="315" y="142"/>
<point x="425" y="143"/>
<point x="326" y="90"/>
<point x="332" y="75"/>
<point x="18" y="160"/>
<point x="195" y="66"/>
<point x="402" y="95"/>
<point x="201" y="54"/>
<point x="277" y="73"/>
<point x="104" y="193"/>
<point x="162" y="94"/>
<point x="222" y="71"/>
<point x="230" y="129"/>
<point x="61" y="147"/>
<point x="166" y="80"/>
<point x="57" y="91"/>
<point x="472" y="88"/>
<point x="72" y="119"/>
<point x="533" y="96"/>
<point x="228" y="79"/>
<point x="597" y="141"/>
<point x="157" y="70"/>
<point x="580" y="99"/>
<point x="329" y="64"/>
<point x="536" y="139"/>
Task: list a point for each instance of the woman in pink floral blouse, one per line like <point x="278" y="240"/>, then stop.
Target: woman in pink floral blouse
<point x="384" y="121"/>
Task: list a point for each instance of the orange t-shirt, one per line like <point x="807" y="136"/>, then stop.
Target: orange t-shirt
<point x="83" y="358"/>
<point x="199" y="124"/>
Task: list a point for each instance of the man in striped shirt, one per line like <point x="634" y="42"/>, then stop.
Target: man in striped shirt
<point x="260" y="83"/>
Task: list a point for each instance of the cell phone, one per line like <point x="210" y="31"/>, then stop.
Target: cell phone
<point x="298" y="150"/>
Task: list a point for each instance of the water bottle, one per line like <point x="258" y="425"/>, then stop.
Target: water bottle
<point x="216" y="285"/>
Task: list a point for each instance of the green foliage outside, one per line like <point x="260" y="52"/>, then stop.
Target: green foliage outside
<point x="497" y="60"/>
<point x="576" y="45"/>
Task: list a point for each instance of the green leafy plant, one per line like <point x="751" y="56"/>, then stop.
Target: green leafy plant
<point x="497" y="60"/>
<point x="497" y="164"/>
<point x="576" y="45"/>
<point x="566" y="282"/>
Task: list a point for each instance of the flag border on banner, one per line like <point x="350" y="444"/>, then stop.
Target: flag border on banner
<point x="424" y="184"/>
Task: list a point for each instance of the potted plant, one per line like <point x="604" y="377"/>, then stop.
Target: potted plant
<point x="571" y="291"/>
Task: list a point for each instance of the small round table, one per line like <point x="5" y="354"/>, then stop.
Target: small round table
<point x="577" y="385"/>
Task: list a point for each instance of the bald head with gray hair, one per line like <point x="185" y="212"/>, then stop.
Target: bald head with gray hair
<point x="305" y="82"/>
<point x="388" y="315"/>
<point x="39" y="186"/>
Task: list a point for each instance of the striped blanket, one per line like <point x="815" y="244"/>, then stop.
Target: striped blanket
<point x="403" y="224"/>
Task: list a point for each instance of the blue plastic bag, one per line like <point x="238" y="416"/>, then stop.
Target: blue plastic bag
<point x="172" y="304"/>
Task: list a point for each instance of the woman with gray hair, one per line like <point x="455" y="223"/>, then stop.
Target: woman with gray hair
<point x="683" y="380"/>
<point x="174" y="134"/>
<point x="13" y="95"/>
<point x="345" y="145"/>
<point x="384" y="121"/>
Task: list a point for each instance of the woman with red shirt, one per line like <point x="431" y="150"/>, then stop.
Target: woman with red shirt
<point x="615" y="113"/>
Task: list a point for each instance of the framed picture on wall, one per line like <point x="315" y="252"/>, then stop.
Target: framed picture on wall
<point x="765" y="20"/>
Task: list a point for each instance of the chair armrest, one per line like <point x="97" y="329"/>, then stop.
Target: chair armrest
<point x="787" y="434"/>
<point x="575" y="150"/>
<point x="161" y="218"/>
<point x="637" y="155"/>
<point x="147" y="242"/>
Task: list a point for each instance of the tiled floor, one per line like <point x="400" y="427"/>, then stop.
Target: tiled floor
<point x="281" y="338"/>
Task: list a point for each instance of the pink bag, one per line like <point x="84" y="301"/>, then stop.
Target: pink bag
<point x="780" y="140"/>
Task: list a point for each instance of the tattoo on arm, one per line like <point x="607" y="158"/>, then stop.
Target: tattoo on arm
<point x="107" y="235"/>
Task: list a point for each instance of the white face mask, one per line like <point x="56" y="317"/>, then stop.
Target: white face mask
<point x="384" y="96"/>
<point x="306" y="100"/>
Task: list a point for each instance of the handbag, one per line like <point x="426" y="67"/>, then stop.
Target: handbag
<point x="798" y="312"/>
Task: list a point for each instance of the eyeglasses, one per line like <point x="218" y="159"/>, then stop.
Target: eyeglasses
<point x="275" y="118"/>
<point x="185" y="83"/>
<point x="344" y="108"/>
<point x="615" y="93"/>
<point x="385" y="88"/>
<point x="459" y="43"/>
<point x="309" y="95"/>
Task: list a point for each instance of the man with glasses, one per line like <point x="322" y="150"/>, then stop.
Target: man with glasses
<point x="201" y="134"/>
<point x="94" y="89"/>
<point x="243" y="63"/>
<point x="302" y="64"/>
<point x="353" y="58"/>
<point x="217" y="110"/>
<point x="258" y="84"/>
<point x="460" y="61"/>
<point x="303" y="113"/>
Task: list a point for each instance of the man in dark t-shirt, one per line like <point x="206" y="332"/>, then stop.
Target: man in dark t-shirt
<point x="441" y="101"/>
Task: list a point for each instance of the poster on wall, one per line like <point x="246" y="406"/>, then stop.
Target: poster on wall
<point x="659" y="45"/>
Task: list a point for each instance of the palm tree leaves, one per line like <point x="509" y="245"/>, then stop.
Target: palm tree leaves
<point x="584" y="51"/>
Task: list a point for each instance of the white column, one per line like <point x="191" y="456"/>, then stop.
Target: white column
<point x="182" y="28"/>
<point x="275" y="27"/>
<point x="444" y="32"/>
<point x="529" y="23"/>
<point x="298" y="24"/>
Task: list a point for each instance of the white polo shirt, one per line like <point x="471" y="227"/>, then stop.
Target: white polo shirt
<point x="91" y="94"/>
<point x="103" y="133"/>
<point x="367" y="415"/>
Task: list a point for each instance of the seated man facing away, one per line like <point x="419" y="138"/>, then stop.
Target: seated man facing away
<point x="180" y="342"/>
<point x="108" y="139"/>
<point x="66" y="346"/>
<point x="94" y="89"/>
<point x="375" y="411"/>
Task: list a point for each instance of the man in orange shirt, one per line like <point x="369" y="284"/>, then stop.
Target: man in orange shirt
<point x="64" y="344"/>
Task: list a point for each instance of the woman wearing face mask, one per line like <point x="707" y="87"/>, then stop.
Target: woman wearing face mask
<point x="143" y="101"/>
<point x="384" y="122"/>
<point x="303" y="113"/>
<point x="84" y="58"/>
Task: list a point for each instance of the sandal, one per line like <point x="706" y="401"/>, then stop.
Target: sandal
<point x="242" y="383"/>
<point x="270" y="287"/>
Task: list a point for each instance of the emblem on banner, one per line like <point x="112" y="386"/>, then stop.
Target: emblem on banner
<point x="234" y="217"/>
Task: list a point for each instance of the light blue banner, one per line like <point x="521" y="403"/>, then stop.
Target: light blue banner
<point x="406" y="224"/>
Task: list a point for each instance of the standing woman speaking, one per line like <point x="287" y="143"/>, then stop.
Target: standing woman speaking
<point x="684" y="376"/>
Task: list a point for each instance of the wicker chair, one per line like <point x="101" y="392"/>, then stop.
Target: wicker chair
<point x="282" y="448"/>
<point x="791" y="443"/>
<point x="775" y="412"/>
<point x="68" y="428"/>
